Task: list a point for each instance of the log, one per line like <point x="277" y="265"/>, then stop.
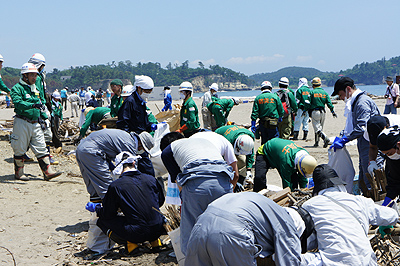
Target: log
<point x="374" y="187"/>
<point x="280" y="194"/>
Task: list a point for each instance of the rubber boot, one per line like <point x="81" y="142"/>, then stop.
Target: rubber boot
<point x="324" y="138"/>
<point x="316" y="140"/>
<point x="48" y="172"/>
<point x="19" y="168"/>
<point x="52" y="162"/>
<point x="295" y="135"/>
<point x="27" y="158"/>
<point x="305" y="133"/>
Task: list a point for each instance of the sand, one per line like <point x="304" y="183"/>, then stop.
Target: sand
<point x="45" y="223"/>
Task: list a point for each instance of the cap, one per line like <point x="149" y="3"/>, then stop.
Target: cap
<point x="56" y="95"/>
<point x="324" y="176"/>
<point x="167" y="88"/>
<point x="375" y="125"/>
<point x="117" y="82"/>
<point x="388" y="78"/>
<point x="341" y="85"/>
<point x="388" y="138"/>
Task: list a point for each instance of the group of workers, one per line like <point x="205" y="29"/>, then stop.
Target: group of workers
<point x="219" y="227"/>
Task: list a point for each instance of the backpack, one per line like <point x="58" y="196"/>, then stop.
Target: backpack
<point x="284" y="97"/>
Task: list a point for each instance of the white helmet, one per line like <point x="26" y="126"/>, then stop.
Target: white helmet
<point x="214" y="86"/>
<point x="284" y="81"/>
<point x="1" y="58"/>
<point x="38" y="60"/>
<point x="266" y="85"/>
<point x="28" y="68"/>
<point x="186" y="86"/>
<point x="244" y="145"/>
<point x="127" y="90"/>
<point x="56" y="95"/>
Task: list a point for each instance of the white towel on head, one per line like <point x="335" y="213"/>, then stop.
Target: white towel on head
<point x="144" y="82"/>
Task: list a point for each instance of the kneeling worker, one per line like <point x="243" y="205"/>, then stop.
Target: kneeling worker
<point x="291" y="160"/>
<point x="136" y="194"/>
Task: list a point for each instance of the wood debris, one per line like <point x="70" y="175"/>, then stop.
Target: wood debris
<point x="378" y="185"/>
<point x="286" y="197"/>
<point x="68" y="130"/>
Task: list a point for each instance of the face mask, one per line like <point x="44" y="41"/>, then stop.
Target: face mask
<point x="394" y="156"/>
<point x="182" y="95"/>
<point x="145" y="95"/>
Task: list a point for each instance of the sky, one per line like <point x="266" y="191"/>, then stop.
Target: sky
<point x="247" y="36"/>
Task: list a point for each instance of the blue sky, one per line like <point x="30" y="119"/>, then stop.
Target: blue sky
<point x="247" y="36"/>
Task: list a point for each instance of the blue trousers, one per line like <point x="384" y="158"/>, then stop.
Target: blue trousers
<point x="267" y="134"/>
<point x="390" y="109"/>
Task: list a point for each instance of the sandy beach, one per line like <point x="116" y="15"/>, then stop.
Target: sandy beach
<point x="45" y="223"/>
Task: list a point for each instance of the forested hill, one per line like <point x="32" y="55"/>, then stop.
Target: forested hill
<point x="76" y="77"/>
<point x="364" y="73"/>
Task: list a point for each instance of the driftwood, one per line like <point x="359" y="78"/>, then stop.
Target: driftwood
<point x="378" y="185"/>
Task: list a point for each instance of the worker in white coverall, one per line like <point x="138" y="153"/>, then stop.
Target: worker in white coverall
<point x="236" y="228"/>
<point x="208" y="120"/>
<point x="198" y="168"/>
<point x="342" y="221"/>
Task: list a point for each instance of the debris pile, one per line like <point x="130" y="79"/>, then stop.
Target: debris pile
<point x="286" y="197"/>
<point x="68" y="130"/>
<point x="387" y="249"/>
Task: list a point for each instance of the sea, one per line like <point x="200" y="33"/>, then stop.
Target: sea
<point x="378" y="90"/>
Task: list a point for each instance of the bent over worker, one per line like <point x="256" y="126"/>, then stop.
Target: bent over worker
<point x="200" y="171"/>
<point x="136" y="195"/>
<point x="236" y="228"/>
<point x="220" y="109"/>
<point x="291" y="160"/>
<point x="93" y="115"/>
<point x="28" y="124"/>
<point x="269" y="109"/>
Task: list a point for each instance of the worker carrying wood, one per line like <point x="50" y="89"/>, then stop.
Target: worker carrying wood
<point x="198" y="168"/>
<point x="237" y="228"/>
<point x="342" y="221"/>
<point x="291" y="160"/>
<point x="138" y="196"/>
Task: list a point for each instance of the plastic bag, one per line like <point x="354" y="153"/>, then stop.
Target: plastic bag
<point x="97" y="240"/>
<point x="173" y="193"/>
<point x="343" y="165"/>
<point x="155" y="152"/>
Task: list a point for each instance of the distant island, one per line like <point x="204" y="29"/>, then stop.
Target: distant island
<point x="99" y="76"/>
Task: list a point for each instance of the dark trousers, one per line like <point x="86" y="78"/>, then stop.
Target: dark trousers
<point x="64" y="103"/>
<point x="55" y="124"/>
<point x="267" y="134"/>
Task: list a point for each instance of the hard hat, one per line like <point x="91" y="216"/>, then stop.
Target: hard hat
<point x="214" y="86"/>
<point x="266" y="85"/>
<point x="87" y="110"/>
<point x="38" y="60"/>
<point x="127" y="90"/>
<point x="244" y="145"/>
<point x="284" y="81"/>
<point x="186" y="86"/>
<point x="316" y="81"/>
<point x="28" y="68"/>
<point x="306" y="165"/>
<point x="235" y="101"/>
<point x="1" y="58"/>
<point x="56" y="95"/>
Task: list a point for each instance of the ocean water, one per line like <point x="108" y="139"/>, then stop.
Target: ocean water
<point x="373" y="89"/>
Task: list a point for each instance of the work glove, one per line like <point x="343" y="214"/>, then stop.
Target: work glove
<point x="382" y="230"/>
<point x="371" y="167"/>
<point x="239" y="188"/>
<point x="77" y="140"/>
<point x="309" y="120"/>
<point x="153" y="127"/>
<point x="249" y="177"/>
<point x="91" y="206"/>
<point x="38" y="106"/>
<point x="280" y="119"/>
<point x="42" y="123"/>
<point x="339" y="143"/>
<point x="386" y="202"/>
<point x="253" y="127"/>
<point x="183" y="128"/>
<point x="334" y="115"/>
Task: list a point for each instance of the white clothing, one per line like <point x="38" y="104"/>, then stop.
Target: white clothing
<point x="88" y="96"/>
<point x="221" y="143"/>
<point x="393" y="91"/>
<point x="342" y="239"/>
<point x="189" y="150"/>
<point x="206" y="98"/>
<point x="394" y="120"/>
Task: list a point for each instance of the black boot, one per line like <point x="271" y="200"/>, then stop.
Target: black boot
<point x="316" y="140"/>
<point x="324" y="138"/>
<point x="305" y="135"/>
<point x="295" y="135"/>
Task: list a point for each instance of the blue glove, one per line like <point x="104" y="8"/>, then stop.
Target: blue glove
<point x="153" y="127"/>
<point x="253" y="127"/>
<point x="382" y="230"/>
<point x="238" y="188"/>
<point x="280" y="119"/>
<point x="386" y="201"/>
<point x="91" y="206"/>
<point x="339" y="143"/>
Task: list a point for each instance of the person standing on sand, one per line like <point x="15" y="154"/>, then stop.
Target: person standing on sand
<point x="189" y="115"/>
<point x="303" y="104"/>
<point x="392" y="96"/>
<point x="64" y="96"/>
<point x="167" y="99"/>
<point x="116" y="101"/>
<point x="289" y="105"/>
<point x="74" y="100"/>
<point x="28" y="129"/>
<point x="208" y="120"/>
<point x="3" y="86"/>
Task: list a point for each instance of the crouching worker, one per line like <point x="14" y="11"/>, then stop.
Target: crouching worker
<point x="198" y="168"/>
<point x="29" y="124"/>
<point x="139" y="197"/>
<point x="237" y="228"/>
<point x="291" y="160"/>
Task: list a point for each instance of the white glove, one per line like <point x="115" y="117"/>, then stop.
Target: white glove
<point x="371" y="167"/>
<point x="249" y="177"/>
